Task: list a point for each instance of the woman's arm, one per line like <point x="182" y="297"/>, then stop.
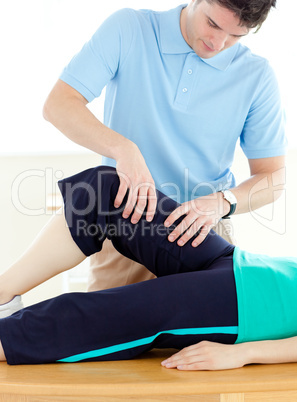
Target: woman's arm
<point x="216" y="356"/>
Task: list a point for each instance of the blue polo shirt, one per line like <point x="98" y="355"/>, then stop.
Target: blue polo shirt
<point x="185" y="113"/>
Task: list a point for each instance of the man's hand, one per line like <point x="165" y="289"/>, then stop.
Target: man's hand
<point x="202" y="214"/>
<point x="207" y="355"/>
<point x="135" y="176"/>
<point x="67" y="110"/>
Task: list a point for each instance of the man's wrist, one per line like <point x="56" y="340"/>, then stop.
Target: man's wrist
<point x="230" y="198"/>
<point x="225" y="205"/>
<point x="123" y="148"/>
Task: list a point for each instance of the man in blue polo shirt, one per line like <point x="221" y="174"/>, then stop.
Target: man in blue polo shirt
<point x="180" y="92"/>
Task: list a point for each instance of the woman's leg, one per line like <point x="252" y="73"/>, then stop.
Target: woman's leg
<point x="91" y="217"/>
<point x="173" y="311"/>
<point x="52" y="252"/>
<point x="121" y="323"/>
<point x="2" y="355"/>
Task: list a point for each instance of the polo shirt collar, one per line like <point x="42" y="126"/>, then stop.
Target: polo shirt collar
<point x="223" y="59"/>
<point x="173" y="42"/>
<point x="171" y="38"/>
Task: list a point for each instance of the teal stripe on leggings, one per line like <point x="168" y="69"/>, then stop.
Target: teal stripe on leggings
<point x="145" y="341"/>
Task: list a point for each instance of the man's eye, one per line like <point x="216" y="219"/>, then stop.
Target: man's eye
<point x="211" y="24"/>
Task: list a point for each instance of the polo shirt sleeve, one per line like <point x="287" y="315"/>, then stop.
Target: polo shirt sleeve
<point x="99" y="60"/>
<point x="263" y="134"/>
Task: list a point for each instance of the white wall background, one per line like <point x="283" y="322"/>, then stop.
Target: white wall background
<point x="39" y="37"/>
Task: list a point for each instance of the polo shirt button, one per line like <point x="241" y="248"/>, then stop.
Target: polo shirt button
<point x="185" y="89"/>
<point x="190" y="71"/>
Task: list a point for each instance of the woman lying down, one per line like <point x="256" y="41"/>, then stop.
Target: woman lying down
<point x="220" y="306"/>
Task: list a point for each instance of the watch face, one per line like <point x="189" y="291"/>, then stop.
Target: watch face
<point x="229" y="196"/>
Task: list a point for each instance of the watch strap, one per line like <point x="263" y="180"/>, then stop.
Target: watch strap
<point x="231" y="212"/>
<point x="229" y="196"/>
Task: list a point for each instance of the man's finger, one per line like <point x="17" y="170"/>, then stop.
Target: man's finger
<point x="177" y="213"/>
<point x="202" y="235"/>
<point x="140" y="204"/>
<point x="193" y="229"/>
<point x="181" y="228"/>
<point x="152" y="203"/>
<point x="122" y="190"/>
<point x="132" y="198"/>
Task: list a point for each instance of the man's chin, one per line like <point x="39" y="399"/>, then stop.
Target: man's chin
<point x="205" y="54"/>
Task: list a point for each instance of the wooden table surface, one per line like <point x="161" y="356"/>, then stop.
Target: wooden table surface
<point x="144" y="379"/>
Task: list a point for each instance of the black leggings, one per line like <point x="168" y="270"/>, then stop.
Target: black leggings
<point x="193" y="298"/>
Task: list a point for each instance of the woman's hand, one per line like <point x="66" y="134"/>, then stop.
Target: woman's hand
<point x="207" y="355"/>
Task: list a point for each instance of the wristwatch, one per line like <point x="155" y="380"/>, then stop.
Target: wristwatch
<point x="230" y="197"/>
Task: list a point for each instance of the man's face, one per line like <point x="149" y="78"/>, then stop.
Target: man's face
<point x="209" y="28"/>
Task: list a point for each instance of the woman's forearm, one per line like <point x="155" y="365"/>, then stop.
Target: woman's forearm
<point x="217" y="356"/>
<point x="269" y="352"/>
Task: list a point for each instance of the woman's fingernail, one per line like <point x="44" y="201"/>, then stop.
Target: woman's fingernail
<point x="180" y="243"/>
<point x="171" y="238"/>
<point x="166" y="224"/>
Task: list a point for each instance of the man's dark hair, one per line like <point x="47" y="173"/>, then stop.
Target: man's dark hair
<point x="252" y="13"/>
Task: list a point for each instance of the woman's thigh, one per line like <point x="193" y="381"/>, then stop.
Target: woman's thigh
<point x="145" y="242"/>
<point x="121" y="323"/>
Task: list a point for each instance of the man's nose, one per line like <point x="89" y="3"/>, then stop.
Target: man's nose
<point x="218" y="41"/>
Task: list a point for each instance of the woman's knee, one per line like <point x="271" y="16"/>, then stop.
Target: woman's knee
<point x="107" y="180"/>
